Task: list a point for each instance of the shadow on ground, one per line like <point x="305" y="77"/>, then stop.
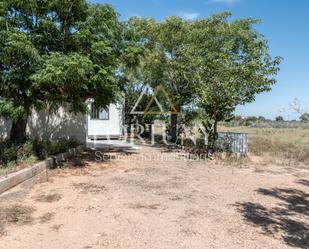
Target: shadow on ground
<point x="288" y="219"/>
<point x="87" y="157"/>
<point x="303" y="182"/>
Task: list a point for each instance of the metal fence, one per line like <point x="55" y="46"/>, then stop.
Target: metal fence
<point x="234" y="142"/>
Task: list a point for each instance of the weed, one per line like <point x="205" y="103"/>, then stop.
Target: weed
<point x="46" y="217"/>
<point x="15" y="214"/>
<point x="89" y="188"/>
<point x="144" y="206"/>
<point x="28" y="153"/>
<point x="48" y="197"/>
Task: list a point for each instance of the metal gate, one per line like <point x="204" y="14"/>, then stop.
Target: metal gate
<point x="233" y="141"/>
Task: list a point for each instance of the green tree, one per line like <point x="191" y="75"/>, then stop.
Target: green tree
<point x="169" y="60"/>
<point x="131" y="77"/>
<point x="56" y="53"/>
<point x="261" y="119"/>
<point x="279" y="119"/>
<point x="304" y="117"/>
<point x="234" y="66"/>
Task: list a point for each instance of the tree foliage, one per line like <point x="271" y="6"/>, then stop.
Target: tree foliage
<point x="212" y="64"/>
<point x="234" y="66"/>
<point x="168" y="59"/>
<point x="62" y="52"/>
<point x="56" y="53"/>
<point x="304" y="117"/>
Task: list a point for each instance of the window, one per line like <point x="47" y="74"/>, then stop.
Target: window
<point x="99" y="112"/>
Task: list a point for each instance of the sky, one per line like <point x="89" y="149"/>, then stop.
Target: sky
<point x="285" y="23"/>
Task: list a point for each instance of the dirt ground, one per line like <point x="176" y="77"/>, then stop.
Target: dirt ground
<point x="144" y="202"/>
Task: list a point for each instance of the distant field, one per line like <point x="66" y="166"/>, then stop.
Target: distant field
<point x="285" y="146"/>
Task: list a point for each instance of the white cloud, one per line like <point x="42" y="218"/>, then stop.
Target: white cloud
<point x="224" y="1"/>
<point x="188" y="15"/>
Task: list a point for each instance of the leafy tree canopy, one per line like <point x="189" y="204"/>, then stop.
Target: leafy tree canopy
<point x="213" y="64"/>
<point x="234" y="66"/>
<point x="56" y="53"/>
<point x="304" y="117"/>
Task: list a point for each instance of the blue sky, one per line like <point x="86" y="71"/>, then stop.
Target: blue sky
<point x="284" y="23"/>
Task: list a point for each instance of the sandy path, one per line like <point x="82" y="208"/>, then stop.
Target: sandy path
<point x="155" y="204"/>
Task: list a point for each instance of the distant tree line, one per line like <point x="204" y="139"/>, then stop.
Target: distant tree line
<point x="304" y="117"/>
<point x="254" y="120"/>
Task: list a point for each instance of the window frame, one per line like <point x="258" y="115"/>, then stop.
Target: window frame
<point x="99" y="109"/>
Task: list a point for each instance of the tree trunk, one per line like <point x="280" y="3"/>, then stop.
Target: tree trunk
<point x="174" y="122"/>
<point x="215" y="130"/>
<point x="213" y="136"/>
<point x="18" y="130"/>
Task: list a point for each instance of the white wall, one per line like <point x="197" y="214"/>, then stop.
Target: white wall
<point x="60" y="125"/>
<point x="111" y="127"/>
<point x="51" y="126"/>
<point x="5" y="127"/>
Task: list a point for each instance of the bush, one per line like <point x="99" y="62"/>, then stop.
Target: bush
<point x="8" y="152"/>
<point x="42" y="148"/>
<point x="30" y="151"/>
<point x="46" y="148"/>
<point x="25" y="151"/>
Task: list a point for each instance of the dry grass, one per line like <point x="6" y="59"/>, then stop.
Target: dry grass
<point x="285" y="146"/>
<point x="8" y="169"/>
<point x="89" y="188"/>
<point x="46" y="217"/>
<point x="52" y="197"/>
<point x="235" y="161"/>
<point x="144" y="206"/>
<point x="56" y="227"/>
<point x="15" y="214"/>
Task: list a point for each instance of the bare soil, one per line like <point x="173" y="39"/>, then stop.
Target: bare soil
<point x="146" y="202"/>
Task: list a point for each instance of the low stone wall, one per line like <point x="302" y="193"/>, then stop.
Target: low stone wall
<point x="16" y="178"/>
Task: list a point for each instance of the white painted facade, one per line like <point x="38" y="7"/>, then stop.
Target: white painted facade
<point x="110" y="127"/>
<point x="63" y="124"/>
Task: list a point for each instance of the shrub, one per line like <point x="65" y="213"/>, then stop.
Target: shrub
<point x="42" y="148"/>
<point x="30" y="151"/>
<point x="8" y="152"/>
<point x="45" y="148"/>
<point x="63" y="145"/>
<point x="25" y="151"/>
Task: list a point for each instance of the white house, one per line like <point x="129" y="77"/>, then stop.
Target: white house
<point x="100" y="123"/>
<point x="105" y="122"/>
